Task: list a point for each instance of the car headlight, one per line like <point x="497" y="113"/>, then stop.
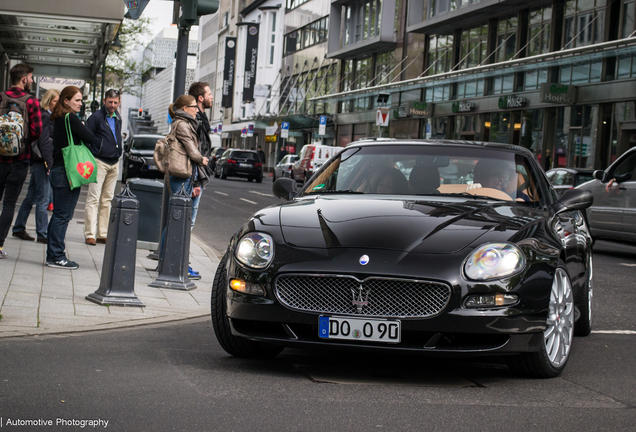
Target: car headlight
<point x="494" y="261"/>
<point x="255" y="250"/>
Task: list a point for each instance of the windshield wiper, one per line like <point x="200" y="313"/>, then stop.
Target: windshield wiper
<point x="339" y="191"/>
<point x="474" y="196"/>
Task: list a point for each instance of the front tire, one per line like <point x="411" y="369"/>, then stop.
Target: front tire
<point x="583" y="326"/>
<point x="236" y="346"/>
<point x="556" y="344"/>
<point x="223" y="174"/>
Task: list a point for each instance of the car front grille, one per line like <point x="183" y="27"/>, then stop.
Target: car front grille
<point x="374" y="296"/>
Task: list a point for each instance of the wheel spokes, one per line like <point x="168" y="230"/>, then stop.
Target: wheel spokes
<point x="560" y="323"/>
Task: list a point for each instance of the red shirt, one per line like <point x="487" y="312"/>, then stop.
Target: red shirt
<point x="35" y="123"/>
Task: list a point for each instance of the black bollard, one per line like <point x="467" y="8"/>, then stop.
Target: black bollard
<point x="173" y="262"/>
<point x="165" y="204"/>
<point x="117" y="285"/>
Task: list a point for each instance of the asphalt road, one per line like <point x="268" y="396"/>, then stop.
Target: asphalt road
<point x="226" y="204"/>
<point x="175" y="377"/>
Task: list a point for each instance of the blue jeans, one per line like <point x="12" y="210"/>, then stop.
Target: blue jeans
<point x="64" y="202"/>
<point x="38" y="194"/>
<point x="12" y="177"/>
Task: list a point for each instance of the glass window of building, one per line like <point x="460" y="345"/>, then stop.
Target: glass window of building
<point x="362" y="21"/>
<point x="272" y="39"/>
<point x="627" y="18"/>
<point x="583" y="22"/>
<point x="291" y="4"/>
<point x="440" y="54"/>
<point x="347" y="84"/>
<point x="385" y="68"/>
<point x="506" y="38"/>
<point x="539" y="30"/>
<point x="441" y="7"/>
<point x="473" y="46"/>
<point x="580" y="73"/>
<point x="534" y="77"/>
<point x="307" y="36"/>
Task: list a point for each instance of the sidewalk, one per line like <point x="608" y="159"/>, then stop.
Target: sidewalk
<point x="35" y="299"/>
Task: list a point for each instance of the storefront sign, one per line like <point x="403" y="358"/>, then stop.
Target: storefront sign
<point x="512" y="101"/>
<point x="228" y="72"/>
<point x="463" y="107"/>
<point x="251" y="53"/>
<point x="558" y="94"/>
<point x="421" y="109"/>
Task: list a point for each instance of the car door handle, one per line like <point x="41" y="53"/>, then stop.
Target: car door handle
<point x="622" y="188"/>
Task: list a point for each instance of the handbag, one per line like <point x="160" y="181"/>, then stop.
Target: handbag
<point x="170" y="150"/>
<point x="79" y="162"/>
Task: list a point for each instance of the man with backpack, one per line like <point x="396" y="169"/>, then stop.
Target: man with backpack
<point x="20" y="124"/>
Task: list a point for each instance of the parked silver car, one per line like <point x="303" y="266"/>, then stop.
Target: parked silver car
<point x="283" y="168"/>
<point x="613" y="214"/>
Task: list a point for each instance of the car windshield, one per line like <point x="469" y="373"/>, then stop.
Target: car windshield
<point x="444" y="170"/>
<point x="245" y="155"/>
<point x="144" y="143"/>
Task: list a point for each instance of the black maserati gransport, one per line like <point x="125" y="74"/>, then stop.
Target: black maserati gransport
<point x="444" y="247"/>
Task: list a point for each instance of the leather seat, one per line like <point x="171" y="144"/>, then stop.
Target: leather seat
<point x="424" y="179"/>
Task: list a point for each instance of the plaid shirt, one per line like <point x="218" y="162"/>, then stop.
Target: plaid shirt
<point x="35" y="123"/>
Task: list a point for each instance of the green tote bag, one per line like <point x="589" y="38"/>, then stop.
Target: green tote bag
<point x="79" y="162"/>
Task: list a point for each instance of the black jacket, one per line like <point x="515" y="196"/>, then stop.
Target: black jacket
<point x="42" y="148"/>
<point x="203" y="132"/>
<point x="105" y="147"/>
<point x="60" y="140"/>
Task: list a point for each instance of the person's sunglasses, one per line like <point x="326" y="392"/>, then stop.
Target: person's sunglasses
<point x="192" y="106"/>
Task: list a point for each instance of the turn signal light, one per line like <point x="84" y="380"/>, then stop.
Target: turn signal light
<point x="491" y="300"/>
<point x="246" y="287"/>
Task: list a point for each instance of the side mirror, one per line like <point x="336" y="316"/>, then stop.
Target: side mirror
<point x="599" y="175"/>
<point x="573" y="199"/>
<point x="285" y="188"/>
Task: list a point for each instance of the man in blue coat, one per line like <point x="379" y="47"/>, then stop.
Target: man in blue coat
<point x="107" y="148"/>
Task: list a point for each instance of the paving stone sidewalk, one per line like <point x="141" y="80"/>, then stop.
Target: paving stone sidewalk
<point x="36" y="299"/>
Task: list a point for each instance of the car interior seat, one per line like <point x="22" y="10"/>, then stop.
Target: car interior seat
<point x="424" y="179"/>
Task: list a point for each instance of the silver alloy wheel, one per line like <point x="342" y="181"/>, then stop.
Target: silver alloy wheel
<point x="558" y="335"/>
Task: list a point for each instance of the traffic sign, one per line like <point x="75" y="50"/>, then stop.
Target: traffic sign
<point x="322" y="127"/>
<point x="243" y="132"/>
<point x="250" y="129"/>
<point x="284" y="130"/>
<point x="382" y="117"/>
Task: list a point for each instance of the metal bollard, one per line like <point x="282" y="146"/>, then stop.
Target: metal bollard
<point x="173" y="262"/>
<point x="117" y="284"/>
<point x="165" y="204"/>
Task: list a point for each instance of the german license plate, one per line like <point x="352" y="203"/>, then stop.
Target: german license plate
<point x="245" y="165"/>
<point x="359" y="329"/>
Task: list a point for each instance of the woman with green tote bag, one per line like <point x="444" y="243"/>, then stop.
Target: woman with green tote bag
<point x="64" y="197"/>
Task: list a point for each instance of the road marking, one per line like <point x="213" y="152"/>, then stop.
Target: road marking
<point x="246" y="200"/>
<point x="221" y="193"/>
<point x="623" y="332"/>
<point x="262" y="194"/>
<point x="628" y="265"/>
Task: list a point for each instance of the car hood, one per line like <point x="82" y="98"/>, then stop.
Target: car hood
<point x="427" y="225"/>
<point x="143" y="153"/>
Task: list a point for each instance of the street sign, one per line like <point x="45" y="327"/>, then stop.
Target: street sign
<point x="243" y="132"/>
<point x="382" y="117"/>
<point x="428" y="131"/>
<point x="284" y="130"/>
<point x="250" y="129"/>
<point x="322" y="127"/>
<point x="135" y="8"/>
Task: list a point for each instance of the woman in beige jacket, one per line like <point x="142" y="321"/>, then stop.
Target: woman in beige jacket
<point x="184" y="124"/>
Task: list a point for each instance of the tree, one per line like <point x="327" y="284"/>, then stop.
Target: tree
<point x="123" y="68"/>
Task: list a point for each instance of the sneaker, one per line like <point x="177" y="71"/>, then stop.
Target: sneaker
<point x="192" y="275"/>
<point x="23" y="235"/>
<point x="3" y="254"/>
<point x="50" y="207"/>
<point x="63" y="264"/>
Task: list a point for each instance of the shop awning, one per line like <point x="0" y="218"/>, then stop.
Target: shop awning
<point x="237" y="127"/>
<point x="61" y="38"/>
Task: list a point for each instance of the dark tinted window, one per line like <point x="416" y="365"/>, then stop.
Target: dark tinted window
<point x="582" y="178"/>
<point x="144" y="143"/>
<point x="245" y="155"/>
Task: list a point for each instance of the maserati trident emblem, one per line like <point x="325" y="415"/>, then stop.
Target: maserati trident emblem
<point x="364" y="260"/>
<point x="360" y="298"/>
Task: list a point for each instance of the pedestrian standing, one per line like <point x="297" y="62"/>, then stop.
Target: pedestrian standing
<point x="185" y="125"/>
<point x="64" y="198"/>
<point x="39" y="185"/>
<point x="105" y="124"/>
<point x="17" y="107"/>
<point x="203" y="97"/>
<point x="261" y="155"/>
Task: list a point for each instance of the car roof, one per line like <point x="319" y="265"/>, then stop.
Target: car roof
<point x="573" y="170"/>
<point x="249" y="151"/>
<point x="147" y="136"/>
<point x="368" y="142"/>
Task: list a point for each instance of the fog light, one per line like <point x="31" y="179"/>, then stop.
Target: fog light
<point x="491" y="300"/>
<point x="246" y="287"/>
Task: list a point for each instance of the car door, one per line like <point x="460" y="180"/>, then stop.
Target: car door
<point x="627" y="192"/>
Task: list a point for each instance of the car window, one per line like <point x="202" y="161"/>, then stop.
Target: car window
<point x="581" y="178"/>
<point x="625" y="169"/>
<point x="429" y="170"/>
<point x="227" y="153"/>
<point x="144" y="143"/>
<point x="245" y="155"/>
